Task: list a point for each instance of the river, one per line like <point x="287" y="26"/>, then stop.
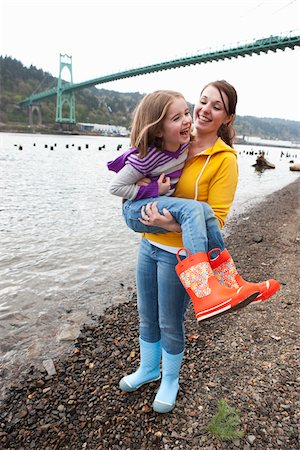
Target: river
<point x="66" y="254"/>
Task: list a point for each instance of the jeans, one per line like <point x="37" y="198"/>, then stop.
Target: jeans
<point x="161" y="298"/>
<point x="200" y="227"/>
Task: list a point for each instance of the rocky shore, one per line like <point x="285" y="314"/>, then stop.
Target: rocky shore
<point x="250" y="358"/>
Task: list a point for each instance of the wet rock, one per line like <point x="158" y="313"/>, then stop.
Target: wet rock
<point x="49" y="366"/>
<point x="69" y="333"/>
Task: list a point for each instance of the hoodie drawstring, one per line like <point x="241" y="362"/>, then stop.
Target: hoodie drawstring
<point x="198" y="178"/>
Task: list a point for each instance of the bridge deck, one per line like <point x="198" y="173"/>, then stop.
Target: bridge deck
<point x="271" y="43"/>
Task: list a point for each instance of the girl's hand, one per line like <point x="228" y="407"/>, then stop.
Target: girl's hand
<point x="151" y="216"/>
<point x="163" y="184"/>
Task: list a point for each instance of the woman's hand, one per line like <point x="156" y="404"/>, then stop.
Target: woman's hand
<point x="143" y="182"/>
<point x="151" y="216"/>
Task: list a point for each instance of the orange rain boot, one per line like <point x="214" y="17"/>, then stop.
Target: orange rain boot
<point x="209" y="297"/>
<point x="225" y="271"/>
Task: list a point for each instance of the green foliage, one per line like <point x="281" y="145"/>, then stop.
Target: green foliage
<point x="268" y="128"/>
<point x="103" y="106"/>
<point x="225" y="422"/>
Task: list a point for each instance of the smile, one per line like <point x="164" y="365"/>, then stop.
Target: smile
<point x="203" y="118"/>
<point x="185" y="132"/>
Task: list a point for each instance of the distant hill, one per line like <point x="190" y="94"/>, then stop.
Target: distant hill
<point x="268" y="128"/>
<point x="103" y="106"/>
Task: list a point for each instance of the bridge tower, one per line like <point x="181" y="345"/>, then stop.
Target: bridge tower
<point x="65" y="97"/>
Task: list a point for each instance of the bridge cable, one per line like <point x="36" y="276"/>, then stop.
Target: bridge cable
<point x="38" y="88"/>
<point x="264" y="3"/>
<point x="283" y="7"/>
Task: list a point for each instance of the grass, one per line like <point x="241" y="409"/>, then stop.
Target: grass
<point x="225" y="422"/>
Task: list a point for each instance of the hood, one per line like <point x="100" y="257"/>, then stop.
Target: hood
<point x="219" y="146"/>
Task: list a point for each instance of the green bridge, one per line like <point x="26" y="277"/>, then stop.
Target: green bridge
<point x="65" y="90"/>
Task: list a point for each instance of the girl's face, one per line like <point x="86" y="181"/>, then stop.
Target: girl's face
<point x="209" y="112"/>
<point x="176" y="126"/>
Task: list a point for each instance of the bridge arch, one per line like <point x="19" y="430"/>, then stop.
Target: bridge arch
<point x="35" y="110"/>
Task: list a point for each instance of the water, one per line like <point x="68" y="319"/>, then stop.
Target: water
<point x="65" y="251"/>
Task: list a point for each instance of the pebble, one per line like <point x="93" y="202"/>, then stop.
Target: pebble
<point x="251" y="438"/>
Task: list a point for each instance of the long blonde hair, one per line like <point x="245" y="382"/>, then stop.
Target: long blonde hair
<point x="148" y="118"/>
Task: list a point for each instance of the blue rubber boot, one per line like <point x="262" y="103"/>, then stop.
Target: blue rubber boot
<point x="166" y="396"/>
<point x="149" y="369"/>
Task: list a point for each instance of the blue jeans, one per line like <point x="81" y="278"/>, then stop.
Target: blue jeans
<point x="200" y="227"/>
<point x="161" y="298"/>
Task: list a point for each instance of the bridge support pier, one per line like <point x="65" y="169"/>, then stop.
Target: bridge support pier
<point x="32" y="109"/>
<point x="65" y="98"/>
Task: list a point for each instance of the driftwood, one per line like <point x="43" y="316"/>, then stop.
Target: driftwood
<point x="262" y="163"/>
<point x="295" y="167"/>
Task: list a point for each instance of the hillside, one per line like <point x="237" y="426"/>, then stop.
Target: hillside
<point x="102" y="106"/>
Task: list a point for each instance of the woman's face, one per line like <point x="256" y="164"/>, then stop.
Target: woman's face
<point x="209" y="112"/>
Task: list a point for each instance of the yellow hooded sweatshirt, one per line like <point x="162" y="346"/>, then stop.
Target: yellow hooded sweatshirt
<point x="211" y="177"/>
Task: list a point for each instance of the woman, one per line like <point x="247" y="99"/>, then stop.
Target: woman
<point x="210" y="175"/>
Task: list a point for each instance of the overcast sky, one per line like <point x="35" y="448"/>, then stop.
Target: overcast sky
<point x="108" y="36"/>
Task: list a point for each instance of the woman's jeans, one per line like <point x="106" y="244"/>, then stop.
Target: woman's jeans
<point x="200" y="227"/>
<point x="162" y="299"/>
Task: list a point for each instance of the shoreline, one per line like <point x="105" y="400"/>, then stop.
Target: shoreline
<point x="250" y="358"/>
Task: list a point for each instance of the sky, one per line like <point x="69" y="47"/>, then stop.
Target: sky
<point x="109" y="36"/>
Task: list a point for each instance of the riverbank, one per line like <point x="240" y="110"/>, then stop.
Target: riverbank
<point x="250" y="358"/>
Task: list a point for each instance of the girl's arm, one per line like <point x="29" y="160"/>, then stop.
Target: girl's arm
<point x="124" y="184"/>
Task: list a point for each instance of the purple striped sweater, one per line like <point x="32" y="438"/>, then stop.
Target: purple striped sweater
<point x="130" y="169"/>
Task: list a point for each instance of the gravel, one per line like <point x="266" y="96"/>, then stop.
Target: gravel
<point x="250" y="358"/>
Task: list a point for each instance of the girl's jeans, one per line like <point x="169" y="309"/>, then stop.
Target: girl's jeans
<point x="200" y="227"/>
<point x="162" y="299"/>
